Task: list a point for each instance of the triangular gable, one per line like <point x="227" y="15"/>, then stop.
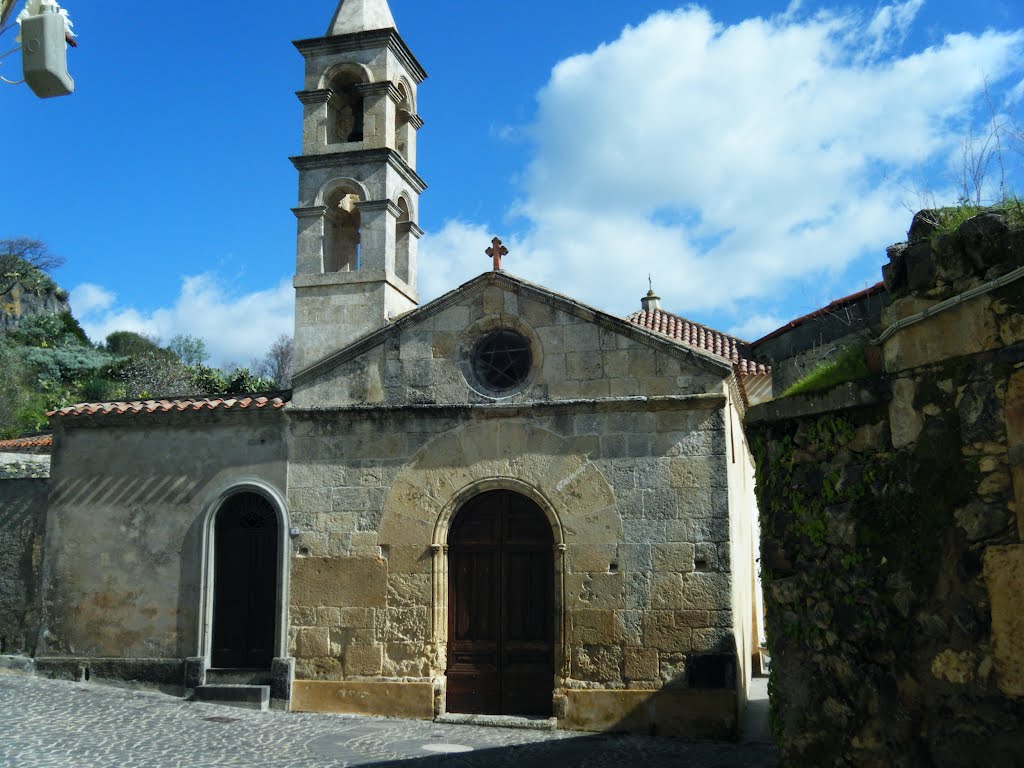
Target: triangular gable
<point x="697" y="357"/>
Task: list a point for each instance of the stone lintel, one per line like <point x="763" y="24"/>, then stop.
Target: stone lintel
<point x="361" y="41"/>
<point x="339" y="160"/>
<point x="319" y="96"/>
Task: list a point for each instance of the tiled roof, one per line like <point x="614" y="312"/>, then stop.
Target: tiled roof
<point x="177" y="405"/>
<point x="699" y="336"/>
<point x="32" y="444"/>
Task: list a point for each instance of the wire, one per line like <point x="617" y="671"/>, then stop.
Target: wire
<point x="13" y="50"/>
<point x="11" y="82"/>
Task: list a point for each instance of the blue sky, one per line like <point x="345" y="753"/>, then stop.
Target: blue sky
<point x="754" y="157"/>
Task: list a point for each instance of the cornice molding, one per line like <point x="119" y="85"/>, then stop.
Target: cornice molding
<point x="361" y="41"/>
<point x="319" y="96"/>
<point x="412" y="228"/>
<point x="310" y="212"/>
<point x="379" y="89"/>
<point x="376" y="206"/>
<point x="359" y="156"/>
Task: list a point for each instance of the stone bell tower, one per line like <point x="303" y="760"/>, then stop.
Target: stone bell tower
<point x="358" y="187"/>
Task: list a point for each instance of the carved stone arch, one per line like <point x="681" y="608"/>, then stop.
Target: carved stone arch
<point x="456" y="462"/>
<point x="510" y="455"/>
<point x="403" y="84"/>
<point x="208" y="521"/>
<point x="358" y="72"/>
<point x="404" y="196"/>
<point x="346" y="183"/>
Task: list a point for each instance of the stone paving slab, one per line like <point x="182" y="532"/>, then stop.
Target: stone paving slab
<point x="58" y="724"/>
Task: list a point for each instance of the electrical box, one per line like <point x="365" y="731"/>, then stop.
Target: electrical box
<point x="44" y="55"/>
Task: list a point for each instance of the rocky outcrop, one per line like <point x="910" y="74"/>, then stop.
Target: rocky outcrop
<point x="19" y="302"/>
<point x="891" y="524"/>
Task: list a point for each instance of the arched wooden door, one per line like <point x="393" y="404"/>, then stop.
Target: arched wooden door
<point x="500" y="607"/>
<point x="245" y="583"/>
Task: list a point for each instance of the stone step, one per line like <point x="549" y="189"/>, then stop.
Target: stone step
<point x="242" y="696"/>
<point x="500" y="721"/>
<point x="215" y="676"/>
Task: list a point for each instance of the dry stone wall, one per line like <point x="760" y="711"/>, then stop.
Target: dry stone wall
<point x="22" y="523"/>
<point x="891" y="520"/>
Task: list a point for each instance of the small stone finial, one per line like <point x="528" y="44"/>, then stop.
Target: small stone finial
<point x="651" y="302"/>
<point x="496" y="251"/>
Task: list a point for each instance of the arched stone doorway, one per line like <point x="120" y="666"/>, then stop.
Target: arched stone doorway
<point x="501" y="634"/>
<point x="245" y="583"/>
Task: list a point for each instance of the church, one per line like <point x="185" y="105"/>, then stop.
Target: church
<point x="502" y="502"/>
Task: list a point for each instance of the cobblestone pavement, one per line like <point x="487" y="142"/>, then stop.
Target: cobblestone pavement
<point x="57" y="724"/>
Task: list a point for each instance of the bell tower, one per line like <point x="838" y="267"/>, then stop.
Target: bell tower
<point x="358" y="186"/>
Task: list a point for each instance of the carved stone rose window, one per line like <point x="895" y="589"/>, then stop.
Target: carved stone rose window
<point x="502" y="360"/>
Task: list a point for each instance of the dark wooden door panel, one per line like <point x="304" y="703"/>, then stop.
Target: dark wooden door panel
<point x="501" y="639"/>
<point x="245" y="583"/>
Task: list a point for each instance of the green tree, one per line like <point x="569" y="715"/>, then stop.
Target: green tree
<point x="276" y="365"/>
<point x="26" y="260"/>
<point x="191" y="350"/>
<point x="131" y="344"/>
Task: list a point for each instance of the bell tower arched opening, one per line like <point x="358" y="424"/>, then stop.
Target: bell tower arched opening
<point x="403" y="241"/>
<point x="345" y="110"/>
<point x="342" y="232"/>
<point x="501" y="617"/>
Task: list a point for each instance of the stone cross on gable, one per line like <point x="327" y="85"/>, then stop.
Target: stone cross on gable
<point x="496" y="251"/>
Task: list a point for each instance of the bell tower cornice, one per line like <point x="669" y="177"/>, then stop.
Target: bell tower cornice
<point x="355" y="157"/>
<point x="361" y="41"/>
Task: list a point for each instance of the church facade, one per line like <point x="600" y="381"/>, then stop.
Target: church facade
<point x="502" y="502"/>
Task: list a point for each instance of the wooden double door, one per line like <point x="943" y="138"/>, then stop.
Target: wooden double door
<point x="245" y="583"/>
<point x="500" y="607"/>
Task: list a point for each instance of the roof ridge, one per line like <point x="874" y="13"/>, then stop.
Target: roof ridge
<point x="684" y="331"/>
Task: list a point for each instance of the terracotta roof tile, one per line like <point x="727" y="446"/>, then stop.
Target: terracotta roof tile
<point x="272" y="401"/>
<point x="31" y="444"/>
<point x="701" y="337"/>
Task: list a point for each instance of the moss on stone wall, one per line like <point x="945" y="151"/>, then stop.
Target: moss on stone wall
<point x="875" y="522"/>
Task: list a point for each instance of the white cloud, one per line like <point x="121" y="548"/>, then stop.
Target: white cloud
<point x="889" y="26"/>
<point x="236" y="327"/>
<point x="731" y="162"/>
<point x="87" y="299"/>
<point x="755" y="326"/>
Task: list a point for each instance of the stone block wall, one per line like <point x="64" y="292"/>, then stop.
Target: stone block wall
<point x="577" y="354"/>
<point x="639" y="492"/>
<point x="891" y="523"/>
<point x="124" y="546"/>
<point x="22" y="526"/>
